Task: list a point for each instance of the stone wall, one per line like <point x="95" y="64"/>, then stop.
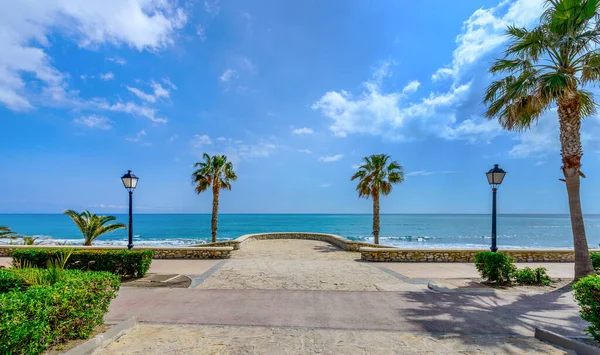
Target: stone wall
<point x="159" y="253"/>
<point x="460" y="255"/>
<point x="336" y="240"/>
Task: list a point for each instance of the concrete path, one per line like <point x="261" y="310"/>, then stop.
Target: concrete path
<point x="197" y="339"/>
<point x="394" y="311"/>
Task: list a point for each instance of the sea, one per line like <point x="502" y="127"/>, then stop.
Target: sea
<point x="515" y="231"/>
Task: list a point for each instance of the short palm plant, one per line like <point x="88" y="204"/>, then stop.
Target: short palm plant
<point x="549" y="65"/>
<point x="6" y="232"/>
<point x="215" y="173"/>
<point x="92" y="226"/>
<point x="375" y="177"/>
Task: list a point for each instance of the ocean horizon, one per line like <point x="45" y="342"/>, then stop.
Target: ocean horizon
<point x="436" y="230"/>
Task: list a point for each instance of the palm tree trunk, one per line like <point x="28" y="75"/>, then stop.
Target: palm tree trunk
<point x="572" y="151"/>
<point x="215" y="213"/>
<point x="376" y="217"/>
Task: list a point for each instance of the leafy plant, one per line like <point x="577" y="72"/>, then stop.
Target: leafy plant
<point x="6" y="232"/>
<point x="10" y="281"/>
<point x="376" y="176"/>
<point x="548" y="65"/>
<point x="217" y="173"/>
<point x="40" y="316"/>
<point x="34" y="276"/>
<point x="29" y="240"/>
<point x="125" y="263"/>
<point x="495" y="267"/>
<point x="529" y="276"/>
<point x="595" y="261"/>
<point x="587" y="295"/>
<point x="92" y="226"/>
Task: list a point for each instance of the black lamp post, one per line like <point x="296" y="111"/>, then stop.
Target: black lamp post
<point x="495" y="177"/>
<point x="130" y="181"/>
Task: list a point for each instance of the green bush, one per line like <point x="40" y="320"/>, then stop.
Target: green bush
<point x="595" y="261"/>
<point x="40" y="316"/>
<point x="495" y="267"/>
<point x="10" y="282"/>
<point x="537" y="276"/>
<point x="125" y="263"/>
<point x="587" y="295"/>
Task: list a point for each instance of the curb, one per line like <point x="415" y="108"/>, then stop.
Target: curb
<point x="564" y="342"/>
<point x="102" y="340"/>
<point x="477" y="291"/>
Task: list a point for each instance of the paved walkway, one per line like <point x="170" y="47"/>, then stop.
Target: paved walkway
<point x="194" y="339"/>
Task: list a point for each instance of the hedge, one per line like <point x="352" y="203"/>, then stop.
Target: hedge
<point x="40" y="316"/>
<point x="495" y="267"/>
<point x="10" y="282"/>
<point x="595" y="261"/>
<point x="125" y="263"/>
<point x="587" y="295"/>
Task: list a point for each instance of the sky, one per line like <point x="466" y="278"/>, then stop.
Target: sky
<point x="295" y="93"/>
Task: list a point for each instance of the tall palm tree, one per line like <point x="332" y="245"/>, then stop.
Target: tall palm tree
<point x="217" y="173"/>
<point x="92" y="226"/>
<point x="6" y="232"/>
<point x="549" y="65"/>
<point x="376" y="176"/>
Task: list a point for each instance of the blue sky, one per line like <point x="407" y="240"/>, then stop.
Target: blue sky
<point x="294" y="92"/>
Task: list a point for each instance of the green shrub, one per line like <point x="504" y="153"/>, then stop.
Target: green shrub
<point x="587" y="295"/>
<point x="537" y="276"/>
<point x="34" y="319"/>
<point x="495" y="267"/>
<point x="126" y="263"/>
<point x="10" y="281"/>
<point x="595" y="261"/>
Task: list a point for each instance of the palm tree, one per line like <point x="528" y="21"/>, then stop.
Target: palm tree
<point x="217" y="173"/>
<point x="6" y="232"/>
<point x="376" y="176"/>
<point x="92" y="226"/>
<point x="552" y="64"/>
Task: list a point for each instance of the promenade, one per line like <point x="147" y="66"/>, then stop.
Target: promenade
<point x="305" y="297"/>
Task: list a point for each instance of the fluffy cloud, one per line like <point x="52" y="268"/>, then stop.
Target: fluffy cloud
<point x="331" y="158"/>
<point x="201" y="140"/>
<point x="305" y="151"/>
<point x="303" y="130"/>
<point x="158" y="92"/>
<point x="117" y="60"/>
<point x="411" y="87"/>
<point x="130" y="108"/>
<point x="107" y="76"/>
<point x="139" y="137"/>
<point x="201" y="32"/>
<point x="26" y="26"/>
<point x="227" y="75"/>
<point x="93" y="121"/>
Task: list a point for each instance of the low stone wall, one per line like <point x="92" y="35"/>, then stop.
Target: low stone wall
<point x="336" y="240"/>
<point x="461" y="255"/>
<point x="159" y="253"/>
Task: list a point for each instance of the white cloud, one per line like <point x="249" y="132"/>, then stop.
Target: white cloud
<point x="261" y="150"/>
<point x="201" y="140"/>
<point x="168" y="82"/>
<point x="138" y="137"/>
<point x="356" y="166"/>
<point x="540" y="140"/>
<point x="173" y="138"/>
<point x="27" y="25"/>
<point x="474" y="130"/>
<point x="221" y="139"/>
<point x="131" y="108"/>
<point x="303" y="130"/>
<point x="324" y="185"/>
<point x="331" y="158"/>
<point x="117" y="60"/>
<point x="93" y="121"/>
<point x="305" y="151"/>
<point x="427" y="173"/>
<point x="212" y="7"/>
<point x="201" y="32"/>
<point x="228" y="74"/>
<point x="158" y="92"/>
<point x="485" y="30"/>
<point x="411" y="87"/>
<point x="107" y="76"/>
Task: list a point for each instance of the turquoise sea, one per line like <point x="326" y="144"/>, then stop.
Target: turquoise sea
<point x="402" y="230"/>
